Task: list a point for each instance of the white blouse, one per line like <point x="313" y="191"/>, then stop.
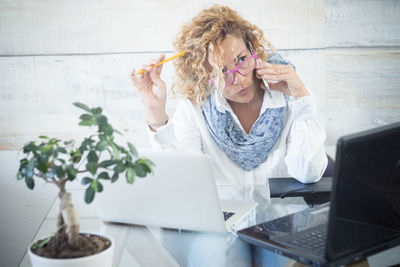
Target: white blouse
<point x="299" y="151"/>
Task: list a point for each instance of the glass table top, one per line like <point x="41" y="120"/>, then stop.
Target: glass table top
<point x="138" y="245"/>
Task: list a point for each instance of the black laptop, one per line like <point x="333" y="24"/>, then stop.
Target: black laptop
<point x="363" y="216"/>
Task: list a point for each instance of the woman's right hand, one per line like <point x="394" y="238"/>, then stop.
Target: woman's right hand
<point x="151" y="89"/>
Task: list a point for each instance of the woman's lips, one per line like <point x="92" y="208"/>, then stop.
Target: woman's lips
<point x="243" y="91"/>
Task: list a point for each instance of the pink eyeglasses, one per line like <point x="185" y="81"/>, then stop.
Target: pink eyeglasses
<point x="243" y="68"/>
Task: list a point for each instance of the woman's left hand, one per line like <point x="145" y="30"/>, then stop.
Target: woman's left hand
<point x="286" y="79"/>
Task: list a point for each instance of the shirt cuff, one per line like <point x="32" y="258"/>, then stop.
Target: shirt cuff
<point x="303" y="108"/>
<point x="162" y="137"/>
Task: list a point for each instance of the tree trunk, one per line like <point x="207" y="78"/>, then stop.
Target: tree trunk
<point x="68" y="214"/>
<point x="60" y="229"/>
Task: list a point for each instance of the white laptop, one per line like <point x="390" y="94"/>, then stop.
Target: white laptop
<point x="182" y="194"/>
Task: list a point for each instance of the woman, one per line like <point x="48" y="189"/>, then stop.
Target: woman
<point x="227" y="112"/>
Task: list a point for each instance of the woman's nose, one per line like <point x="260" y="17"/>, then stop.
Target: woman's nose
<point x="239" y="78"/>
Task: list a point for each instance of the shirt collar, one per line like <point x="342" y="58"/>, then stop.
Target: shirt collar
<point x="276" y="100"/>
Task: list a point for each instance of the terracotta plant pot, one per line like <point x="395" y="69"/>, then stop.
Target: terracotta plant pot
<point x="102" y="259"/>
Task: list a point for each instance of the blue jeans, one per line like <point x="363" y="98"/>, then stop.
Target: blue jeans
<point x="195" y="249"/>
<point x="266" y="258"/>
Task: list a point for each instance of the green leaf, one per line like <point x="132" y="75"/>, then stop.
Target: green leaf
<point x="70" y="142"/>
<point x="87" y="123"/>
<point x="102" y="137"/>
<point x="42" y="243"/>
<point x="132" y="149"/>
<point x="72" y="172"/>
<point x="130" y="176"/>
<point x="101" y="145"/>
<point x="140" y="170"/>
<point x="76" y="156"/>
<point x="115" y="150"/>
<point x="48" y="151"/>
<point x="123" y="150"/>
<point x="146" y="161"/>
<point x="86" y="180"/>
<point x="43" y="137"/>
<point x="94" y="185"/>
<point x="53" y="141"/>
<point x="61" y="150"/>
<point x="60" y="172"/>
<point x="107" y="163"/>
<point x="146" y="167"/>
<point x="101" y="119"/>
<point x="49" y="175"/>
<point x="97" y="186"/>
<point x="61" y="160"/>
<point x="23" y="161"/>
<point x="20" y="176"/>
<point x="92" y="167"/>
<point x="43" y="160"/>
<point x="29" y="147"/>
<point x="89" y="194"/>
<point x="106" y="129"/>
<point x="96" y="111"/>
<point x="29" y="182"/>
<point x="29" y="168"/>
<point x="115" y="176"/>
<point x="118" y="132"/>
<point x="86" y="117"/>
<point x="85" y="145"/>
<point x="92" y="157"/>
<point x="82" y="106"/>
<point x="119" y="168"/>
<point x="104" y="175"/>
<point x="127" y="159"/>
<point x="146" y="164"/>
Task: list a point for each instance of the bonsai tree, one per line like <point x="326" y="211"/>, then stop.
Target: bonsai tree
<point x="98" y="159"/>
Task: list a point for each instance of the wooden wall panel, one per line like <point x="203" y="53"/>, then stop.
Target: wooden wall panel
<point x="71" y="27"/>
<point x="362" y="66"/>
<point x="354" y="23"/>
<point x="362" y="90"/>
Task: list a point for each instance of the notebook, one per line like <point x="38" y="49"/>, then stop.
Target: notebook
<point x="363" y="215"/>
<point x="181" y="194"/>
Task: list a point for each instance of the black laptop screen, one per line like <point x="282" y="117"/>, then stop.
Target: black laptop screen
<point x="366" y="200"/>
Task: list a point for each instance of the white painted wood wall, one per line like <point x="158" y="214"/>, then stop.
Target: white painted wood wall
<point x="53" y="53"/>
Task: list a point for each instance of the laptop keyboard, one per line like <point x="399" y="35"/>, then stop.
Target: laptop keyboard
<point x="314" y="240"/>
<point x="227" y="215"/>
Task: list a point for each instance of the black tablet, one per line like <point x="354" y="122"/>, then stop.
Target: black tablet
<point x="290" y="187"/>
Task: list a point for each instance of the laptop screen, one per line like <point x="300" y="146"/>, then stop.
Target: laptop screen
<point x="365" y="203"/>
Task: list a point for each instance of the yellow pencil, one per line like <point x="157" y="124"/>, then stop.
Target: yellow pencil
<point x="164" y="61"/>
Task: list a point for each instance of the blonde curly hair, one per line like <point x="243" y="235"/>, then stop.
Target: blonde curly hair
<point x="201" y="39"/>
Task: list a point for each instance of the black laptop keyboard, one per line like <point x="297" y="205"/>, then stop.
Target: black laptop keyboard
<point x="313" y="240"/>
<point x="227" y="215"/>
